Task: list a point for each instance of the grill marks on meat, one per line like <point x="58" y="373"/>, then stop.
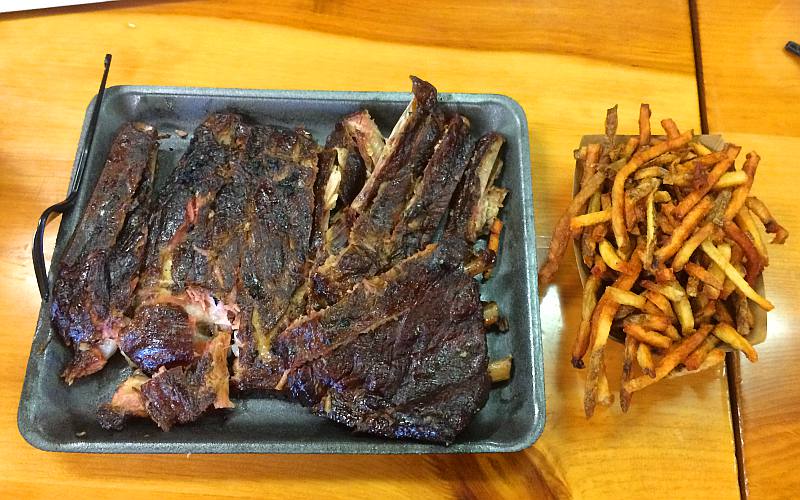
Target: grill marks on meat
<point x="99" y="268"/>
<point x="387" y="360"/>
<point x="421" y="377"/>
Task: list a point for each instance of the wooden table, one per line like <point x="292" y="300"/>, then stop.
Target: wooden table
<point x="752" y="88"/>
<point x="565" y="64"/>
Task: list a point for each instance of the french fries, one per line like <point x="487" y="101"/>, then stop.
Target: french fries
<point x="645" y="358"/>
<point x="734" y="276"/>
<point x="770" y="224"/>
<point x="671" y="232"/>
<point x="730" y="336"/>
<point x="589" y="303"/>
<point x="589" y="219"/>
<point x="648" y="337"/>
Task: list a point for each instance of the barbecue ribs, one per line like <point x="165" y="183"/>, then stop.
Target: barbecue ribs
<point x="339" y="277"/>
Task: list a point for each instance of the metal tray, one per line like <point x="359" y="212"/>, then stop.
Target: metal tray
<point x="55" y="417"/>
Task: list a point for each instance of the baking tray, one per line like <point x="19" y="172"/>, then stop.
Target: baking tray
<point x="55" y="417"/>
<point x="714" y="142"/>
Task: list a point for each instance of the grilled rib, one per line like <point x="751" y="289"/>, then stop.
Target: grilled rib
<point x="98" y="270"/>
<point x="380" y="204"/>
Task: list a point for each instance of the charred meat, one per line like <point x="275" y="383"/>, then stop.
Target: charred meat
<point x="338" y="277"/>
<point x="100" y="267"/>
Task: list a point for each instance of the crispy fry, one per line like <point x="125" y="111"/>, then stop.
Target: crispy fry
<point x="494" y="235"/>
<point x="734" y="276"/>
<point x="601" y="327"/>
<point x="713" y="359"/>
<point x="721" y="312"/>
<point x="611" y="257"/>
<point x="631" y="346"/>
<point x="660" y="301"/>
<point x="683" y="255"/>
<point x="717" y="213"/>
<point x="618" y="189"/>
<point x="744" y="315"/>
<point x="589" y="219"/>
<point x="673" y="291"/>
<point x="699" y="148"/>
<point x="624" y="297"/>
<point x="740" y="194"/>
<point x="650" y="308"/>
<point x="672" y="332"/>
<point x="599" y="268"/>
<point x="662" y="197"/>
<point x="645" y="359"/>
<point x="588" y="243"/>
<point x="692" y="286"/>
<point x="611" y="125"/>
<point x="500" y="370"/>
<point x="725" y="251"/>
<point x="590" y="162"/>
<point x="589" y="303"/>
<point x="688" y="202"/>
<point x="706" y="312"/>
<point x="683" y="231"/>
<point x="561" y="234"/>
<point x="663" y="274"/>
<point x="696" y="358"/>
<point x="730" y="180"/>
<point x="762" y="212"/>
<point x="644" y="125"/>
<point x="649" y="172"/>
<point x="632" y="198"/>
<point x="744" y="219"/>
<point x="650" y="321"/>
<point x="604" y="396"/>
<point x="671" y="359"/>
<point x="703" y="275"/>
<point x="630" y="148"/>
<point x="683" y="309"/>
<point x="650" y="246"/>
<point x="753" y="263"/>
<point x="670" y="128"/>
<point x="730" y="336"/>
<point x="648" y="337"/>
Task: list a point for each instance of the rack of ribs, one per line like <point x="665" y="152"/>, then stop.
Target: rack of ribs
<point x="339" y="277"/>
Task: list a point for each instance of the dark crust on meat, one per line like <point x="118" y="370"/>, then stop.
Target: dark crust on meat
<point x="468" y="194"/>
<point x="421" y="375"/>
<point x="429" y="205"/>
<point x="178" y="395"/>
<point x="372" y="302"/>
<point x="98" y="270"/>
<point x="277" y="248"/>
<point x="387" y="192"/>
<point x="353" y="170"/>
<point x="160" y="335"/>
<point x="425" y="100"/>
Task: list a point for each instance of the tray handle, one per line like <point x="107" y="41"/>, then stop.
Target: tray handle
<point x="63" y="207"/>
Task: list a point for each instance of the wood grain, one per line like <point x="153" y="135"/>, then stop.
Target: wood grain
<point x="564" y="64"/>
<point x="755" y="102"/>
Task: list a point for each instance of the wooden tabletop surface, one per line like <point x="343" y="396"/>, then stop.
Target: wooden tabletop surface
<point x="752" y="95"/>
<point x="565" y="65"/>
